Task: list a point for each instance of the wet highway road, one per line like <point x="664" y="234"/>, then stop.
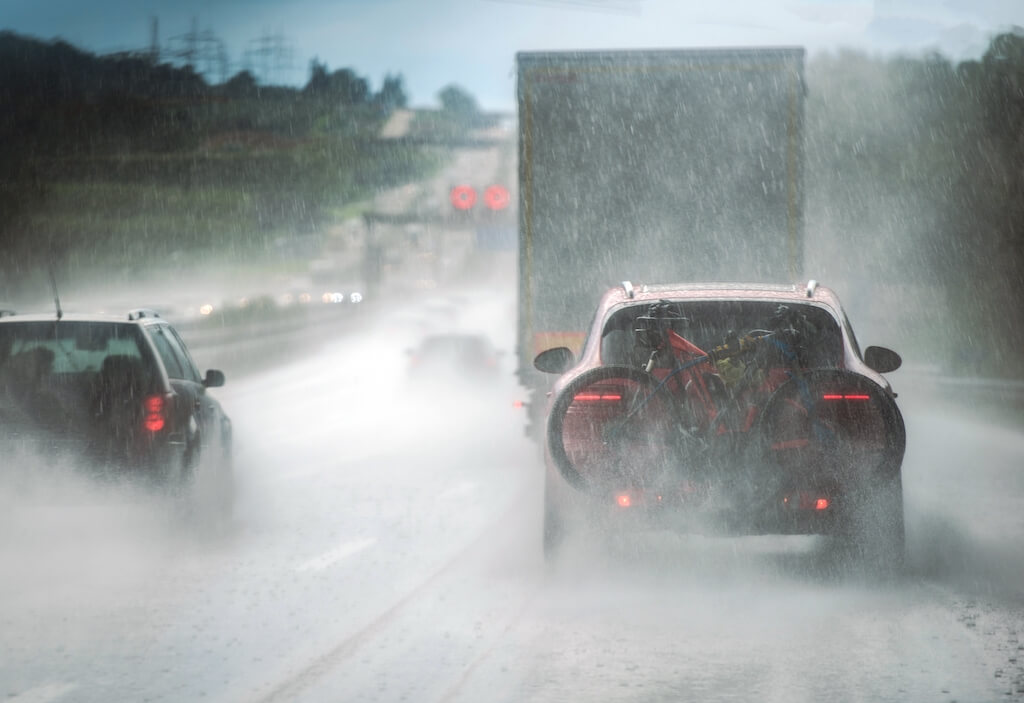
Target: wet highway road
<point x="385" y="546"/>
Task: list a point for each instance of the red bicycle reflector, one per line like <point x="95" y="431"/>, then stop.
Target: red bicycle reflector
<point x="624" y="500"/>
<point x="496" y="197"/>
<point x="463" y="197"/>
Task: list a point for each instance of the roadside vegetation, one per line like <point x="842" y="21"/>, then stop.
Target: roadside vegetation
<point x="915" y="171"/>
<point x="115" y="161"/>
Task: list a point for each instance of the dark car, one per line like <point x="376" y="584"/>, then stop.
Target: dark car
<point x="737" y="409"/>
<point x="117" y="395"/>
<point x="454" y="356"/>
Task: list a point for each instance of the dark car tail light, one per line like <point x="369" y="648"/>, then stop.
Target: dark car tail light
<point x="154" y="413"/>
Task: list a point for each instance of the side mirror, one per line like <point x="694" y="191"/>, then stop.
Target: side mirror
<point x="881" y="359"/>
<point x="214" y="379"/>
<point x="557" y="360"/>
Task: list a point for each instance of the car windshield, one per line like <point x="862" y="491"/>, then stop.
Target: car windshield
<point x="710" y="323"/>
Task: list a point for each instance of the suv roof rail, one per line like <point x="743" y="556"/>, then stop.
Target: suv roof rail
<point x="812" y="285"/>
<point x="628" y="288"/>
<point x="140" y="313"/>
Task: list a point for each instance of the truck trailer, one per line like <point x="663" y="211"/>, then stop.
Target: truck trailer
<point x="651" y="166"/>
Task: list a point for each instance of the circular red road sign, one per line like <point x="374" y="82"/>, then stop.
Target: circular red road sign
<point x="463" y="197"/>
<point x="496" y="197"/>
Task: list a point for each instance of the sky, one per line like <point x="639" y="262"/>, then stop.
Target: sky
<point x="473" y="43"/>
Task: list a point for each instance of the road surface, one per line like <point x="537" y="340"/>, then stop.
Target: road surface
<point x="385" y="546"/>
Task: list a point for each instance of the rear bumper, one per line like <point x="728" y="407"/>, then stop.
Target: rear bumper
<point x="800" y="506"/>
<point x="770" y="516"/>
<point x="142" y="457"/>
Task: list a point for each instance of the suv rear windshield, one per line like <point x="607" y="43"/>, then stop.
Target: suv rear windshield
<point x="709" y="323"/>
<point x="66" y="347"/>
<point x="60" y="375"/>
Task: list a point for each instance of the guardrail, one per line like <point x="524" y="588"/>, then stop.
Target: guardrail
<point x="240" y="341"/>
<point x="996" y="397"/>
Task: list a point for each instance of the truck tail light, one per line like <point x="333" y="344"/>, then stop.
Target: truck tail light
<point x="807" y="501"/>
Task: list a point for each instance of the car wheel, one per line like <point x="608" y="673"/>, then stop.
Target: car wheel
<point x="190" y="462"/>
<point x="554" y="528"/>
<point x="871" y="534"/>
<point x="224" y="477"/>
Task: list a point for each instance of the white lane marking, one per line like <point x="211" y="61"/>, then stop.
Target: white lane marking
<point x="43" y="694"/>
<point x="335" y="555"/>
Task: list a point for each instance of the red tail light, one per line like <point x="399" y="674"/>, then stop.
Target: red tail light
<point x="153" y="413"/>
<point x="624" y="500"/>
<point x="807" y="501"/>
<point x="595" y="397"/>
<point x="846" y="396"/>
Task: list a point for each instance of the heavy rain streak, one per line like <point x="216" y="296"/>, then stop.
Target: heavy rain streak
<point x="271" y="426"/>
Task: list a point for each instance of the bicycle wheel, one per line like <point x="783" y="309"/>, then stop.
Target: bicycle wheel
<point x="611" y="427"/>
<point x="839" y="436"/>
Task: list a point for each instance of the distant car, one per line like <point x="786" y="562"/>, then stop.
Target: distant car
<point x="454" y="356"/>
<point x="106" y="393"/>
<point x="736" y="409"/>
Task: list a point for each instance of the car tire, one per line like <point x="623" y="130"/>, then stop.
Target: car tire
<point x="871" y="535"/>
<point x="553" y="528"/>
<point x="190" y="461"/>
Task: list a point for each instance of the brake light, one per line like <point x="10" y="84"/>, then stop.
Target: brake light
<point x="624" y="500"/>
<point x="846" y="396"/>
<point x="153" y="413"/>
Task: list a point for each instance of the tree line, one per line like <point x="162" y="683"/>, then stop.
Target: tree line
<point x="917" y="165"/>
<point x="90" y="144"/>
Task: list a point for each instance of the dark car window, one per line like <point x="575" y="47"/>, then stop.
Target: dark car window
<point x="181" y="354"/>
<point x="166" y="352"/>
<point x="52" y="373"/>
<point x="69" y="347"/>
